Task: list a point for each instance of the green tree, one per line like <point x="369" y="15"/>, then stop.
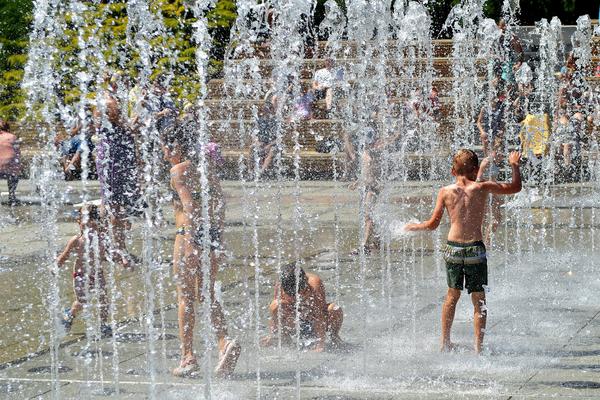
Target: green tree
<point x="177" y="52"/>
<point x="15" y="18"/>
<point x="533" y="10"/>
<point x="172" y="51"/>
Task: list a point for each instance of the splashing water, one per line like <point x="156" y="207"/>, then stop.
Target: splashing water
<point x="386" y="134"/>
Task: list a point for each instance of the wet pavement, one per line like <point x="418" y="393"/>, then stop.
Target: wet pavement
<point x="542" y="340"/>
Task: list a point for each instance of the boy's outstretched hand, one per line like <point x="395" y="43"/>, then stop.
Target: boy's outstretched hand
<point x="411" y="227"/>
<point x="514" y="157"/>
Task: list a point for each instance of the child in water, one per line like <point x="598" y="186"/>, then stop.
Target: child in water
<point x="465" y="253"/>
<point x="318" y="319"/>
<point x="85" y="282"/>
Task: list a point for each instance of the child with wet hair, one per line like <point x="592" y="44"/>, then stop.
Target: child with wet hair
<point x="88" y="275"/>
<point x="317" y="318"/>
<point x="195" y="235"/>
<point x="465" y="253"/>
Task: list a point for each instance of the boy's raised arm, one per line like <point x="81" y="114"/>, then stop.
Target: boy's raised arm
<point x="435" y="219"/>
<point x="480" y="123"/>
<point x="485" y="163"/>
<point x="507" y="188"/>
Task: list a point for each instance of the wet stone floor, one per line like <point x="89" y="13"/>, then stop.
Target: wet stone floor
<point x="542" y="339"/>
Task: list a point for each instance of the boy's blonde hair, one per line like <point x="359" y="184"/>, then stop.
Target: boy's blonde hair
<point x="465" y="162"/>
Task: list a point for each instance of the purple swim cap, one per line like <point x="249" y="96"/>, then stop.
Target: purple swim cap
<point x="213" y="151"/>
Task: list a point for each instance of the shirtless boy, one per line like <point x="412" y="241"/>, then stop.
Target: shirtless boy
<point x="85" y="282"/>
<point x="317" y="317"/>
<point x="465" y="253"/>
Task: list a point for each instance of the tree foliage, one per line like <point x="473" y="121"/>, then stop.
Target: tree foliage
<point x="533" y="10"/>
<point x="15" y="17"/>
<point x="172" y="52"/>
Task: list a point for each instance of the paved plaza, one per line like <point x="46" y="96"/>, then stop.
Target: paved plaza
<point x="542" y="340"/>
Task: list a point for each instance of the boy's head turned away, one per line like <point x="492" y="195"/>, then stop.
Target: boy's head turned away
<point x="288" y="280"/>
<point x="465" y="163"/>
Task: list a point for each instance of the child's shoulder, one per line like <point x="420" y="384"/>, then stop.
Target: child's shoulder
<point x="178" y="168"/>
<point x="477" y="187"/>
<point x="313" y="279"/>
<point x="447" y="188"/>
<point x="181" y="170"/>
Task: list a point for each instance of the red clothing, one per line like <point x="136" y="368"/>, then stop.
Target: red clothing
<point x="10" y="154"/>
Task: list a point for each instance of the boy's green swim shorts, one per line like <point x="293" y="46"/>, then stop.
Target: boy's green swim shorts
<point x="466" y="264"/>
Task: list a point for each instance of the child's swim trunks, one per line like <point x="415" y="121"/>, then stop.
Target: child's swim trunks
<point x="466" y="263"/>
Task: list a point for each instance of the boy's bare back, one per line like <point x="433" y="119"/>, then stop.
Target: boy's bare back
<point x="465" y="201"/>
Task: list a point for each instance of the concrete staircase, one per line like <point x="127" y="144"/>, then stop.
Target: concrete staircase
<point x="314" y="164"/>
<point x="319" y="165"/>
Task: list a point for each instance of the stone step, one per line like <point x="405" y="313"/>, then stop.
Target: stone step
<point x="227" y="133"/>
<point x="222" y="109"/>
<point x="219" y="88"/>
<point x="440" y="74"/>
<point x="440" y="67"/>
<point x="344" y="48"/>
<point x="315" y="165"/>
<point x="593" y="81"/>
<point x="439" y="47"/>
<point x="249" y="89"/>
<point x="220" y="128"/>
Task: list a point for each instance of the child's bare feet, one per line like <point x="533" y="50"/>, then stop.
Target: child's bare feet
<point x="337" y="342"/>
<point x="187" y="368"/>
<point x="319" y="348"/>
<point x="447" y="347"/>
<point x="129" y="261"/>
<point x="356" y="251"/>
<point x="228" y="357"/>
<point x="478" y="348"/>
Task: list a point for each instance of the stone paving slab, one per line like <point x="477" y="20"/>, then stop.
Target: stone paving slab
<point x="542" y="338"/>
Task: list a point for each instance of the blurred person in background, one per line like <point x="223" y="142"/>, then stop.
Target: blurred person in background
<point x="10" y="161"/>
<point x="117" y="168"/>
<point x="78" y="143"/>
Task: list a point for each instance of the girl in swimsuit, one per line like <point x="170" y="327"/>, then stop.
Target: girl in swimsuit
<point x="180" y="151"/>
